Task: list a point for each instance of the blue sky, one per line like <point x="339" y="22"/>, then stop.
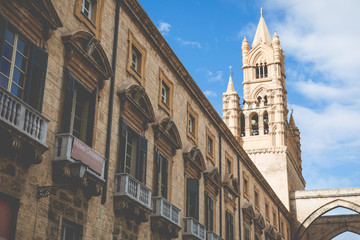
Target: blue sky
<point x="320" y="40"/>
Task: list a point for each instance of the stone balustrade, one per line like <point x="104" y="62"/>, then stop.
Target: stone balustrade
<point x="191" y="227"/>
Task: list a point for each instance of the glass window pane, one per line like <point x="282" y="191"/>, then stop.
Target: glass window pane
<point x="7" y="51"/>
<point x="9" y="36"/>
<point x="22" y="47"/>
<point x="15" y="90"/>
<point x="5" y="67"/>
<point x="20" y="61"/>
<point x="18" y="77"/>
<point x="3" y="81"/>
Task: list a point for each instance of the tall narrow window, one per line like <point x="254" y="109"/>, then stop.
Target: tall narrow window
<point x="255" y="125"/>
<point x="161" y="177"/>
<point x="228" y="166"/>
<point x="192" y="124"/>
<point x="166" y="93"/>
<point x="261" y="71"/>
<point x="246" y="186"/>
<point x="257" y="71"/>
<point x="210" y="145"/>
<point x="267" y="211"/>
<point x="229" y="226"/>
<point x="266" y="123"/>
<point x="265" y="71"/>
<point x="246" y="232"/>
<point x="209" y="213"/>
<point x="136" y="60"/>
<point x="192" y="198"/>
<point x="70" y="231"/>
<point x="265" y="101"/>
<point x="79" y="110"/>
<point x="275" y="219"/>
<point x="256" y="196"/>
<point x="22" y="65"/>
<point x="133" y="153"/>
<point x="242" y="119"/>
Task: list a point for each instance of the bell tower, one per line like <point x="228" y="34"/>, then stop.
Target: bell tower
<point x="270" y="139"/>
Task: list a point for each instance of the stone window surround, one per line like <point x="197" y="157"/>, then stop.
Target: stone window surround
<point x="210" y="156"/>
<point x="164" y="80"/>
<point x="246" y="187"/>
<point x="192" y="135"/>
<point x="140" y="74"/>
<point x="93" y="24"/>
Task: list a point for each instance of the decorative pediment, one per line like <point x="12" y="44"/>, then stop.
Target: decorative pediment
<point x="87" y="56"/>
<point x="165" y="127"/>
<point x="136" y="105"/>
<point x="194" y="161"/>
<point x="231" y="184"/>
<point x="248" y="209"/>
<point x="212" y="180"/>
<point x="270" y="231"/>
<point x="45" y="9"/>
<point x="259" y="221"/>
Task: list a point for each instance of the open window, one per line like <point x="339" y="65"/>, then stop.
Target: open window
<point x="261" y="70"/>
<point x="255" y="124"/>
<point x="266" y="123"/>
<point x="192" y="198"/>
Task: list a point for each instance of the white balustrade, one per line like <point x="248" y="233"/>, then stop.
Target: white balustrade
<point x="126" y="185"/>
<point x="22" y="117"/>
<point x="193" y="228"/>
<point x="166" y="209"/>
<point x="212" y="236"/>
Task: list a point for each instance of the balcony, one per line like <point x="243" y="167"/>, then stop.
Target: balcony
<point x="23" y="128"/>
<point x="212" y="236"/>
<point x="165" y="218"/>
<point x="75" y="158"/>
<point x="192" y="229"/>
<point x="132" y="198"/>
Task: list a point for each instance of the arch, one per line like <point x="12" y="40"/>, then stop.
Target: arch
<point x="88" y="47"/>
<point x="261" y="51"/>
<point x="341" y="230"/>
<point x="323" y="209"/>
<point x="194" y="161"/>
<point x="167" y="127"/>
<point x="259" y="91"/>
<point x="137" y="97"/>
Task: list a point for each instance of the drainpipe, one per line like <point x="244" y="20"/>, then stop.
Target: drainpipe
<point x="220" y="192"/>
<point x="239" y="207"/>
<point x="111" y="102"/>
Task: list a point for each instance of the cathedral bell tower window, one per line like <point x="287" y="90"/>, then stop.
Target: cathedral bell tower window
<point x="261" y="70"/>
<point x="255" y="125"/>
<point x="266" y="123"/>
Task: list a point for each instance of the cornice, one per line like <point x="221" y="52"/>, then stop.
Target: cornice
<point x="155" y="38"/>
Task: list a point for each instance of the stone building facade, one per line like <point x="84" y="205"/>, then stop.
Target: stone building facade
<point x="93" y="144"/>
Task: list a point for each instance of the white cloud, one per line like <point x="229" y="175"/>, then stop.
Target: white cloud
<point x="188" y="43"/>
<point x="164" y="28"/>
<point x="209" y="93"/>
<point x="211" y="76"/>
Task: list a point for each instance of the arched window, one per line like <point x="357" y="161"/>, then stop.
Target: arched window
<point x="266" y="123"/>
<point x="265" y="101"/>
<point x="259" y="99"/>
<point x="254" y="125"/>
<point x="242" y="119"/>
<point x="261" y="70"/>
<point x="265" y="71"/>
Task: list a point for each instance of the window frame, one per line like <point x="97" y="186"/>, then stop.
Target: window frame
<point x="228" y="160"/>
<point x="210" y="155"/>
<point x="77" y="228"/>
<point x="141" y="150"/>
<point x="194" y="133"/>
<point x="162" y="161"/>
<point x="210" y="226"/>
<point x="267" y="210"/>
<point x="274" y="215"/>
<point x="134" y="45"/>
<point x="94" y="22"/>
<point x="257" y="199"/>
<point x="188" y="196"/>
<point x="168" y="105"/>
<point x="229" y="225"/>
<point x="246" y="186"/>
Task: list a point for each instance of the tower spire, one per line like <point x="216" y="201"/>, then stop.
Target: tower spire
<point x="262" y="33"/>
<point x="230" y="87"/>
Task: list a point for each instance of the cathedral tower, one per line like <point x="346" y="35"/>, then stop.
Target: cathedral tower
<point x="271" y="141"/>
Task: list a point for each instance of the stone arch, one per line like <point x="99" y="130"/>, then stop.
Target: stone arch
<point x="261" y="51"/>
<point x="341" y="230"/>
<point x="323" y="209"/>
<point x="194" y="161"/>
<point x="167" y="133"/>
<point x="259" y="91"/>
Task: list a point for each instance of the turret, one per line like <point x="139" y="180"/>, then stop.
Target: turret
<point x="245" y="51"/>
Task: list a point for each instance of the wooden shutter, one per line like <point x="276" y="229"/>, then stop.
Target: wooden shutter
<point x="157" y="172"/>
<point x="124" y="129"/>
<point x="192" y="186"/>
<point x="36" y="77"/>
<point x="91" y="117"/>
<point x="67" y="107"/>
<point x="164" y="176"/>
<point x="141" y="159"/>
<point x="3" y="26"/>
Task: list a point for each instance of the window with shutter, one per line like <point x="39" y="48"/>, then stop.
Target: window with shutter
<point x="133" y="153"/>
<point x="229" y="226"/>
<point x="192" y="198"/>
<point x="79" y="110"/>
<point x="209" y="213"/>
<point x="22" y="65"/>
<point x="161" y="175"/>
